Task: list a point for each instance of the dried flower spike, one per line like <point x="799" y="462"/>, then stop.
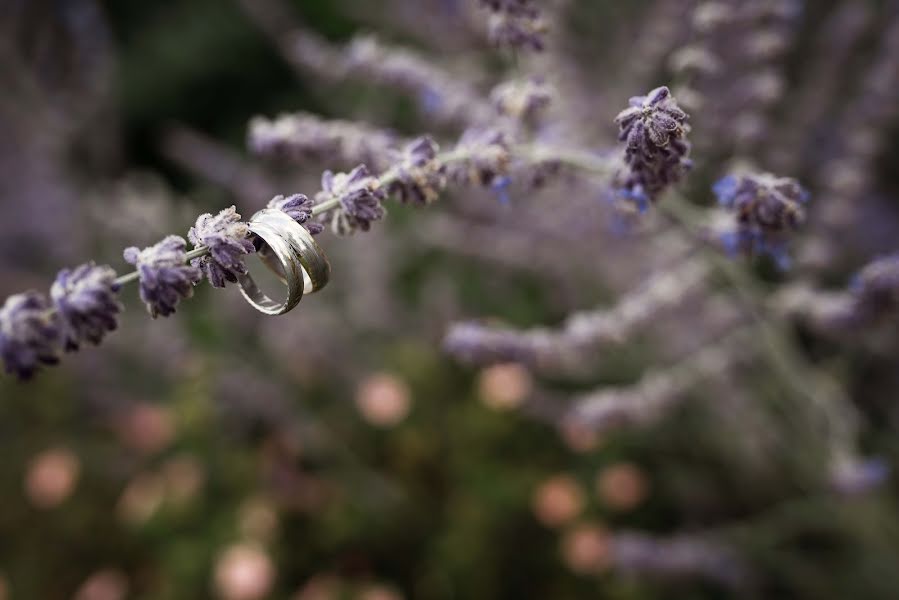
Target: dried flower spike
<point x="30" y="334"/>
<point x="86" y="299"/>
<point x="164" y="277"/>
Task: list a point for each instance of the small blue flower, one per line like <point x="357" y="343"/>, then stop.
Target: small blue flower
<point x="726" y="190"/>
<point x="430" y="100"/>
<point x="636" y="195"/>
<point x="501" y="186"/>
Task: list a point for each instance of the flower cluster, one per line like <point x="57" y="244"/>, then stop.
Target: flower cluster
<point x="299" y="208"/>
<point x="165" y="278"/>
<point x="766" y="210"/>
<point x="486" y="158"/>
<point x="657" y="152"/>
<point x="301" y="137"/>
<point x="29" y="334"/>
<point x="228" y="240"/>
<point x="515" y="23"/>
<point x="522" y="100"/>
<point x="359" y="196"/>
<point x="875" y="290"/>
<point x="442" y="96"/>
<point x="419" y="176"/>
<point x="86" y="299"/>
<point x="83" y="307"/>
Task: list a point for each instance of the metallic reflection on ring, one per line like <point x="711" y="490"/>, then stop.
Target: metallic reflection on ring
<point x="292" y="254"/>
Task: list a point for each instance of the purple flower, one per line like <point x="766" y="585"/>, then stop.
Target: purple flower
<point x="419" y="176"/>
<point x="679" y="556"/>
<point x="86" y="299"/>
<point x="227" y="238"/>
<point x="299" y="208"/>
<point x="164" y="277"/>
<point x="657" y="151"/>
<point x="522" y="100"/>
<point x="859" y="476"/>
<point x="30" y="334"/>
<point x="875" y="289"/>
<point x="302" y="137"/>
<point x="515" y="23"/>
<point x="359" y="195"/>
<point x="483" y="156"/>
<point x="766" y="208"/>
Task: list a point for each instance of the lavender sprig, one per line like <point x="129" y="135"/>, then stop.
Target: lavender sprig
<point x="301" y="137"/>
<point x="583" y="333"/>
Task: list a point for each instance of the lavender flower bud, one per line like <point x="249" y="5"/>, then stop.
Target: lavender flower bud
<point x="681" y="556"/>
<point x="522" y="100"/>
<point x="30" y="334"/>
<point x="875" y="290"/>
<point x="164" y="277"/>
<point x="515" y="23"/>
<point x="299" y="208"/>
<point x="857" y="477"/>
<point x="86" y="299"/>
<point x="419" y="176"/>
<point x="359" y="195"/>
<point x="483" y="157"/>
<point x="657" y="152"/>
<point x="766" y="209"/>
<point x="227" y="238"/>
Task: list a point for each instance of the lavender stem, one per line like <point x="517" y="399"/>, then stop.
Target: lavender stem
<point x="384" y="180"/>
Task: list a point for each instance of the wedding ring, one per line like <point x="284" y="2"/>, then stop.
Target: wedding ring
<point x="293" y="255"/>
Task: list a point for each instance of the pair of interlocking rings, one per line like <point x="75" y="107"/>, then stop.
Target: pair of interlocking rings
<point x="292" y="254"/>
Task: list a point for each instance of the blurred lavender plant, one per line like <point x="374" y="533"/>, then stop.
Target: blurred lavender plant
<point x="732" y="73"/>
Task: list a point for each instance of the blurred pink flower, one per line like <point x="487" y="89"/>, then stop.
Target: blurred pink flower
<point x="383" y="399"/>
<point x="243" y="572"/>
<point x="51" y="477"/>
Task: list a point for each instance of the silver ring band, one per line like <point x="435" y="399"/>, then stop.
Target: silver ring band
<point x="294" y="256"/>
